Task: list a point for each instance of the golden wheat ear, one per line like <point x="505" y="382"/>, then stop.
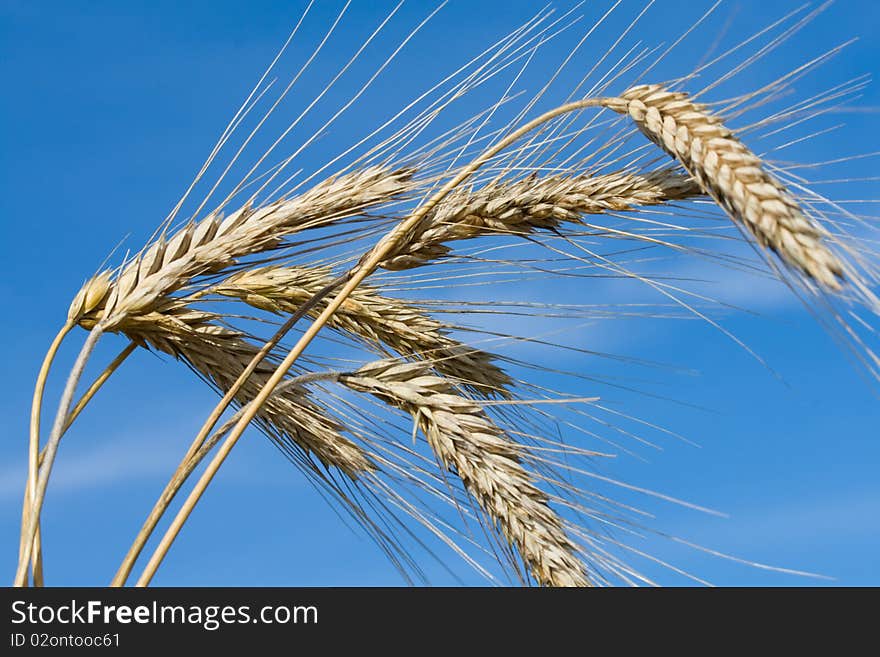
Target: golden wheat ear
<point x="468" y="443"/>
<point x="523" y="206"/>
<point x="735" y="177"/>
<point x="215" y="243"/>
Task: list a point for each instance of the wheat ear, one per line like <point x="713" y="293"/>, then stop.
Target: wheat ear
<point x="533" y="203"/>
<point x="216" y="242"/>
<point x="735" y="177"/>
<point x="379" y="320"/>
<point x="197" y="450"/>
<point x="469" y="444"/>
<point x="245" y="375"/>
<point x="720" y="164"/>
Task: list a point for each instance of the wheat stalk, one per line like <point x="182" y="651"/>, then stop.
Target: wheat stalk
<point x="202" y="443"/>
<point x="469" y="444"/>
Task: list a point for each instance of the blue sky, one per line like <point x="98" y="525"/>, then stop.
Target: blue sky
<point x="110" y="109"/>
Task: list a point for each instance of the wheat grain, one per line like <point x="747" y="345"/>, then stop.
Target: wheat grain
<point x="90" y="297"/>
<point x="377" y="319"/>
<point x="468" y="443"/>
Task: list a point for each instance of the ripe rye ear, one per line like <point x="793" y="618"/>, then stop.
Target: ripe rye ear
<point x="735" y="177"/>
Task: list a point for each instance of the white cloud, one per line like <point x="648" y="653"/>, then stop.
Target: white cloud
<point x="100" y="466"/>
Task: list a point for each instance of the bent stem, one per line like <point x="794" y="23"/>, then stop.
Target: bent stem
<point x="364" y="268"/>
<point x="34" y="451"/>
<point x="61" y="421"/>
<point x="35" y="420"/>
<point x="96" y="385"/>
<point x="93" y="390"/>
<point x="35" y="432"/>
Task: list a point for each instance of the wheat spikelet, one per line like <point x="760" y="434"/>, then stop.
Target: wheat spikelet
<point x="468" y="443"/>
<point x="377" y="319"/>
<point x="219" y="355"/>
<point x="90" y="297"/>
<point x="734" y="176"/>
<point x="533" y="203"/>
<point x="216" y="242"/>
